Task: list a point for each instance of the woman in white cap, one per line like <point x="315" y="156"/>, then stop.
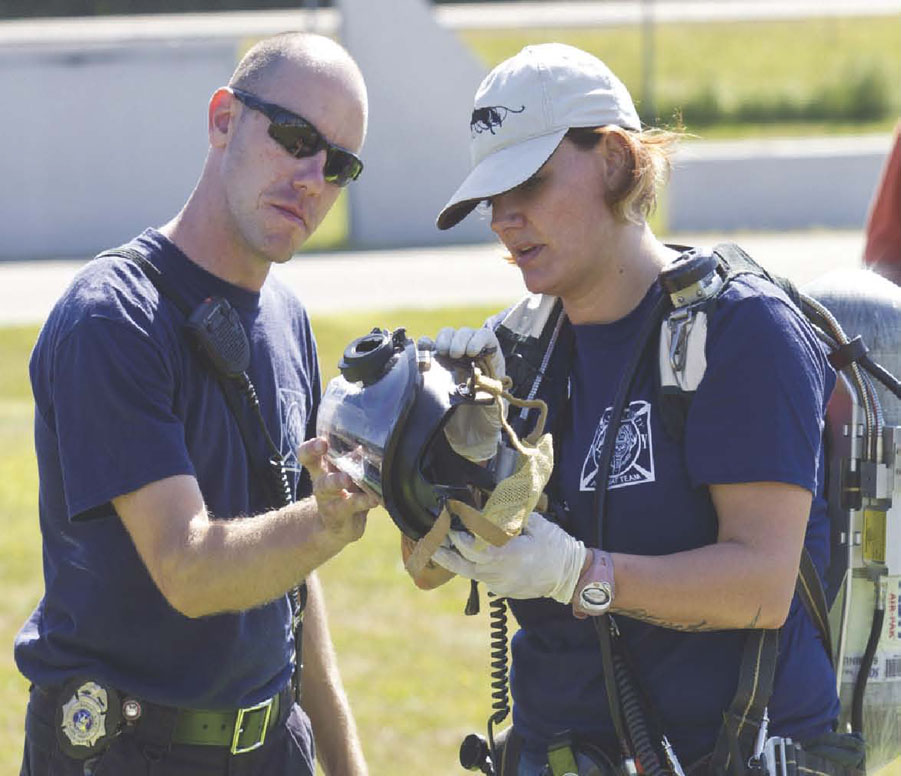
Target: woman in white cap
<point x="702" y="528"/>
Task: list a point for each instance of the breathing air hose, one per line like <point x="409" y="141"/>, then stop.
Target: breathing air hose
<point x="623" y="698"/>
<point x="831" y="332"/>
<point x="860" y="685"/>
<point x="634" y="715"/>
<point x="882" y="375"/>
<point x="828" y="324"/>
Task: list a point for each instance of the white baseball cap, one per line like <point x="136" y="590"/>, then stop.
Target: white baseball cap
<point x="523" y="109"/>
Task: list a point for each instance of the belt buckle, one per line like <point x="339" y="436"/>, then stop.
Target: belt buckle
<point x="266" y="708"/>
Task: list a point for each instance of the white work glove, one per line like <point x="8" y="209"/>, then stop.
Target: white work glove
<point x="542" y="562"/>
<point x="473" y="430"/>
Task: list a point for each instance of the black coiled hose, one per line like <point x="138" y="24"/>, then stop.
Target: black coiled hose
<point x="634" y="715"/>
<point x="500" y="675"/>
<point x="281" y="485"/>
<point x="277" y="476"/>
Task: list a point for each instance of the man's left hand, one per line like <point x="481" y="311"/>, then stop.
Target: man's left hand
<point x="342" y="505"/>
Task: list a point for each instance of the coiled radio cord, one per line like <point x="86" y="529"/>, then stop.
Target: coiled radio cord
<point x="500" y="674"/>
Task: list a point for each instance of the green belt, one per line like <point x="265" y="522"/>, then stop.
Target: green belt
<point x="242" y="731"/>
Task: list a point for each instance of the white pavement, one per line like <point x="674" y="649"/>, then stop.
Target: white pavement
<point x="429" y="277"/>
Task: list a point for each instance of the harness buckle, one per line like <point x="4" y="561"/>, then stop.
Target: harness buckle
<point x="679" y="323"/>
<point x="265" y="709"/>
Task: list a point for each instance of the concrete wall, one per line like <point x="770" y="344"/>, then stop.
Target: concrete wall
<point x="421" y="83"/>
<point x="109" y="129"/>
<point x="775" y="184"/>
<point x="100" y="141"/>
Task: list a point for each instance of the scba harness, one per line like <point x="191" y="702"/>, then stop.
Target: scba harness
<point x="536" y="340"/>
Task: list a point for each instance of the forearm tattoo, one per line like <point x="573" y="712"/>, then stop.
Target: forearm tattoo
<point x="645" y="616"/>
<point x="754" y="620"/>
<point x="694" y="627"/>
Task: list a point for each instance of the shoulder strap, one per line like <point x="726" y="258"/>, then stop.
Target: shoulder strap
<point x="231" y="392"/>
<point x="744" y="717"/>
<point x="683" y="337"/>
<point x="532" y="336"/>
<point x="272" y="474"/>
<point x="684" y="332"/>
<point x="734" y="262"/>
<point x="813" y="596"/>
<point x="153" y="274"/>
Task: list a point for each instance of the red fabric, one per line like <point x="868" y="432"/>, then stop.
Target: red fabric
<point x="883" y="232"/>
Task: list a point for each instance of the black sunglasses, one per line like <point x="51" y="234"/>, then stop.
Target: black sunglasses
<point x="300" y="139"/>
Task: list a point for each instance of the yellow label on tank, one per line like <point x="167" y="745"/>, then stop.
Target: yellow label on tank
<point x="874" y="536"/>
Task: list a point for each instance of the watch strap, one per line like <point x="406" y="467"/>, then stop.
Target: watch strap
<point x="600" y="569"/>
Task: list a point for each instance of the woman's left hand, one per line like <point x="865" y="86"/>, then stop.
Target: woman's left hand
<point x="542" y="562"/>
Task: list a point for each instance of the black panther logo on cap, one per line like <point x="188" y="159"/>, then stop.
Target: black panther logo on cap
<point x="486" y="119"/>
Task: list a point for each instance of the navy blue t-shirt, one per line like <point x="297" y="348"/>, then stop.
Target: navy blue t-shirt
<point x="757" y="416"/>
<point x="122" y="401"/>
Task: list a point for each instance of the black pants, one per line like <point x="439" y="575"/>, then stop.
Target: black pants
<point x="143" y="751"/>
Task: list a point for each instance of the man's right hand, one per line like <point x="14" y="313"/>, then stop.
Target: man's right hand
<point x="341" y="504"/>
<point x="205" y="566"/>
<point x="544" y="561"/>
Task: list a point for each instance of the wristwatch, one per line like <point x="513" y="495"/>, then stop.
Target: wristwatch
<point x="595" y="588"/>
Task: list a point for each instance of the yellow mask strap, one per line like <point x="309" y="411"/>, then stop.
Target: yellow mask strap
<point x="426" y="546"/>
<point x="500" y="389"/>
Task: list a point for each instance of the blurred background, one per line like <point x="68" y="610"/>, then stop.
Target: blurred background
<point x="789" y="106"/>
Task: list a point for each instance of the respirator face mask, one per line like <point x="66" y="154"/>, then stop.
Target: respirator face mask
<point x="384" y="418"/>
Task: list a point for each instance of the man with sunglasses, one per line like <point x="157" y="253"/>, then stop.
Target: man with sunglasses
<point x="164" y="637"/>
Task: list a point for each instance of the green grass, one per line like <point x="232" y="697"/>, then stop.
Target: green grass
<point x="415" y="668"/>
<point x="334" y="333"/>
<point x="736" y="61"/>
<point x="20" y="550"/>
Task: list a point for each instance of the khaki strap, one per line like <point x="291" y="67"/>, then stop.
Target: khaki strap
<point x="472" y="518"/>
<point x="478" y="524"/>
<point x="501" y="389"/>
<point x="426" y="546"/>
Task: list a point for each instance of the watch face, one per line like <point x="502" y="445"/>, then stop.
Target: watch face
<point x="595" y="595"/>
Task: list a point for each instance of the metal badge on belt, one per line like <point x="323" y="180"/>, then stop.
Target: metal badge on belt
<point x="87" y="719"/>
